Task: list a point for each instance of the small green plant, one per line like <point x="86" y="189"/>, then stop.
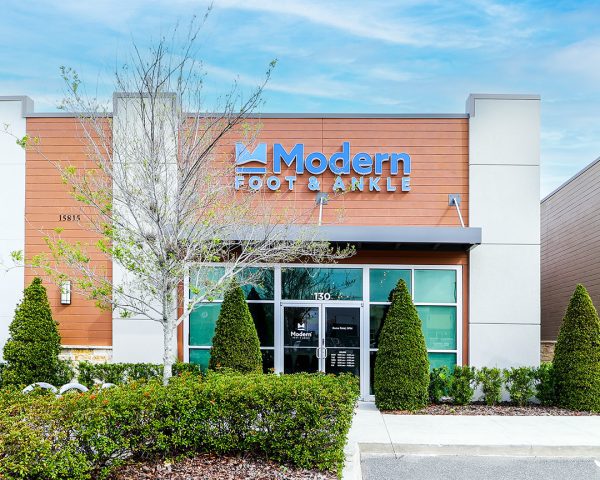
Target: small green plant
<point x="544" y="384"/>
<point x="490" y="380"/>
<point x="235" y="344"/>
<point x="121" y="373"/>
<point x="32" y="350"/>
<point x="401" y="366"/>
<point x="300" y="419"/>
<point x="577" y="355"/>
<point x="520" y="384"/>
<point x="439" y="380"/>
<point x="462" y="384"/>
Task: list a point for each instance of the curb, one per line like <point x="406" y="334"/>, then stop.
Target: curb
<point x="354" y="452"/>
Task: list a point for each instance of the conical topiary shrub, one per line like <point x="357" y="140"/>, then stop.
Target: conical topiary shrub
<point x="31" y="352"/>
<point x="235" y="343"/>
<point x="577" y="355"/>
<point x="401" y="365"/>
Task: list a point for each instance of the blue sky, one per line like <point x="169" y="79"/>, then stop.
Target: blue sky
<point x="339" y="56"/>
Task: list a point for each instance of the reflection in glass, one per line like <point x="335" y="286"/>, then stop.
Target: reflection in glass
<point x="308" y="283"/>
<point x="342" y="327"/>
<point x="435" y="286"/>
<point x="372" y="356"/>
<point x="301" y="326"/>
<point x="376" y="317"/>
<point x="263" y="315"/>
<point x="268" y="360"/>
<point x="382" y="282"/>
<point x="200" y="357"/>
<point x="439" y="326"/>
<point x="203" y="320"/>
<point x="438" y="359"/>
<point x="296" y="360"/>
<point x="260" y="283"/>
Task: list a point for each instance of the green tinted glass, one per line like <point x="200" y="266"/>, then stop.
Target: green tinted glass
<point x="321" y="283"/>
<point x="376" y="316"/>
<point x="263" y="315"/>
<point x="437" y="360"/>
<point x="202" y="323"/>
<point x="435" y="286"/>
<point x="260" y="283"/>
<point x="200" y="357"/>
<point x="203" y="281"/>
<point x="439" y="326"/>
<point x="382" y="282"/>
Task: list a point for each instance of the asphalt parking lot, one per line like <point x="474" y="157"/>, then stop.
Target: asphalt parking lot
<point x="454" y="467"/>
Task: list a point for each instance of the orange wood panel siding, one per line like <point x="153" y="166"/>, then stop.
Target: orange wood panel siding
<point x="439" y="157"/>
<point x="46" y="197"/>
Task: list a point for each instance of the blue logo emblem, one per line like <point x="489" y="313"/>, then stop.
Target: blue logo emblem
<point x="244" y="156"/>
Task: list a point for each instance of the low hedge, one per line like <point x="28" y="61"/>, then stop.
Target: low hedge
<point x="300" y="419"/>
<point x="119" y="373"/>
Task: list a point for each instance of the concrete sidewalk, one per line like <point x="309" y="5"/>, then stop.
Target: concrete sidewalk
<point x="375" y="433"/>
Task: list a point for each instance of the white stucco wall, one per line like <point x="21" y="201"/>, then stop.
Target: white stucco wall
<point x="135" y="339"/>
<point x="504" y="200"/>
<point x="12" y="199"/>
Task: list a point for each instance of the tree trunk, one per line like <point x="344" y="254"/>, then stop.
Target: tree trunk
<point x="168" y="356"/>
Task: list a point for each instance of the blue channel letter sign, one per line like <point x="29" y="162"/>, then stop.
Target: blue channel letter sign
<point x="359" y="172"/>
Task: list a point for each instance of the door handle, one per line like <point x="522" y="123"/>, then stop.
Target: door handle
<point x="317" y="352"/>
<point x="326" y="352"/>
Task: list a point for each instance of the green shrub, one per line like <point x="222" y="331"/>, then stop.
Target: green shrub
<point x="544" y="384"/>
<point x="300" y="419"/>
<point x="119" y="373"/>
<point x="32" y="350"/>
<point x="490" y="380"/>
<point x="520" y="384"/>
<point x="577" y="355"/>
<point x="235" y="344"/>
<point x="439" y="381"/>
<point x="462" y="385"/>
<point x="401" y="366"/>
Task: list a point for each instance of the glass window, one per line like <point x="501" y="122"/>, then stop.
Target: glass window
<point x="382" y="282"/>
<point x="200" y="357"/>
<point x="260" y="285"/>
<point x="268" y="360"/>
<point x="435" y="286"/>
<point x="263" y="315"/>
<point x="321" y="283"/>
<point x="377" y="315"/>
<point x="372" y="356"/>
<point x="204" y="279"/>
<point x="439" y="326"/>
<point x="436" y="360"/>
<point x="203" y="320"/>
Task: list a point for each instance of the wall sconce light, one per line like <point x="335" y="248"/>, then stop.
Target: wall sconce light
<point x="65" y="293"/>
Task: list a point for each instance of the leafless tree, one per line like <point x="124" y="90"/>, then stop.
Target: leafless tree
<point x="157" y="188"/>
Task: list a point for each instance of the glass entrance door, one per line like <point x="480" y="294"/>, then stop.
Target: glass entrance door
<point x="321" y="337"/>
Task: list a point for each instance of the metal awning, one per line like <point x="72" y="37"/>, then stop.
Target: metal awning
<point x="395" y="236"/>
<point x="392" y="234"/>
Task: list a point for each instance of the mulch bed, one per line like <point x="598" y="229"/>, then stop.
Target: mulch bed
<point x="504" y="409"/>
<point x="216" y="467"/>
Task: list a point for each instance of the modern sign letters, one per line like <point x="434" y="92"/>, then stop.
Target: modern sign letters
<point x="359" y="172"/>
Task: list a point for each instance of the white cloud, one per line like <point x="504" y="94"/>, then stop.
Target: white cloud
<point x="580" y="58"/>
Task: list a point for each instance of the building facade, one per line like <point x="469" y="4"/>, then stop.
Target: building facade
<point x="570" y="248"/>
<point x="447" y="202"/>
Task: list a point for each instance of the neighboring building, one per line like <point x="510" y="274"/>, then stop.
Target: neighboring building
<point x="570" y="218"/>
<point x="476" y="285"/>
